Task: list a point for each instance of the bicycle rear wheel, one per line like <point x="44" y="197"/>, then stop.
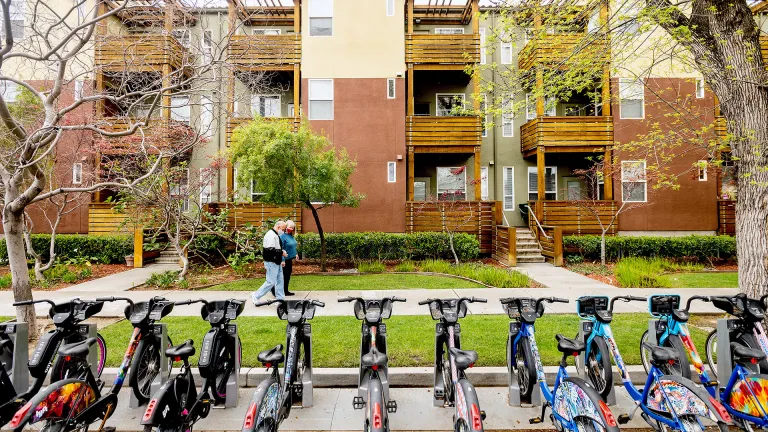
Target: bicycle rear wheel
<point x="711" y="352"/>
<point x="63" y="368"/>
<point x="145" y="367"/>
<point x="585" y="424"/>
<point x="683" y="366"/>
<point x="526" y="369"/>
<point x="598" y="366"/>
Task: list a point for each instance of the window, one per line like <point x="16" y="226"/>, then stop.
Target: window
<point x="321" y="18"/>
<point x="391" y="88"/>
<point x="391" y="172"/>
<point x="483" y="107"/>
<point x="448" y="103"/>
<point x="483" y="58"/>
<point x="17" y="20"/>
<point x="206" y="116"/>
<point x="550" y="183"/>
<point x="180" y="191"/>
<point x="390" y="7"/>
<point x="80" y="4"/>
<point x="419" y="190"/>
<point x="78" y="89"/>
<point x="77" y="173"/>
<point x="184" y="36"/>
<point x="702" y="165"/>
<point x="266" y="32"/>
<point x="633" y="181"/>
<point x="509" y="188"/>
<point x="631" y="23"/>
<point x="10" y="90"/>
<point x="506" y="52"/>
<point x="235" y="186"/>
<point x="321" y="99"/>
<point x="550" y="107"/>
<point x="207" y="46"/>
<point x="206" y="185"/>
<point x="180" y="108"/>
<point x="449" y="31"/>
<point x="631" y="95"/>
<point x="484" y="183"/>
<point x="290" y="110"/>
<point x="699" y="88"/>
<point x="266" y="105"/>
<point x="255" y="194"/>
<point x="507" y="117"/>
<point x="593" y="25"/>
<point x="452" y="183"/>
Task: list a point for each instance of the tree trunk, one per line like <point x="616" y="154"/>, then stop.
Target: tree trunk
<point x="453" y="249"/>
<point x="602" y="249"/>
<point x="13" y="226"/>
<point x="322" y="236"/>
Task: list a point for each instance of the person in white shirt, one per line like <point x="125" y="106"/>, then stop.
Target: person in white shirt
<point x="273" y="253"/>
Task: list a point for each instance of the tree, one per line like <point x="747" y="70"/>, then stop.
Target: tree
<point x="294" y="167"/>
<point x="649" y="39"/>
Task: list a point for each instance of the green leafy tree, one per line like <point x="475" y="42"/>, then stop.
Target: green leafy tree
<point x="294" y="167"/>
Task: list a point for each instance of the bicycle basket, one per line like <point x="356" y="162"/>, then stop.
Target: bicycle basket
<point x="359" y="312"/>
<point x="309" y="311"/>
<point x="724" y="304"/>
<point x="282" y="311"/>
<point x="587" y="306"/>
<point x="663" y="304"/>
<point x="462" y="309"/>
<point x="137" y="312"/>
<point x="435" y="311"/>
<point x="386" y="309"/>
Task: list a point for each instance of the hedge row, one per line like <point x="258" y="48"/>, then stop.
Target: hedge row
<point x="103" y="249"/>
<point x="694" y="246"/>
<point x="389" y="246"/>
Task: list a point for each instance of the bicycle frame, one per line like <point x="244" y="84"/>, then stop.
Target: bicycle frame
<point x="459" y="399"/>
<point x="680" y="329"/>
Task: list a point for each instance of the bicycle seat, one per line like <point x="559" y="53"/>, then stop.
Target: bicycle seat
<point x="185" y="350"/>
<point x="374" y="358"/>
<point x="662" y="355"/>
<point x="5" y="343"/>
<point x="77" y="349"/>
<point x="463" y="359"/>
<point x="569" y="346"/>
<point x="274" y="355"/>
<point x="745" y="355"/>
<point x="680" y="315"/>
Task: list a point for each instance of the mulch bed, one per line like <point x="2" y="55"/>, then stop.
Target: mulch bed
<point x="97" y="270"/>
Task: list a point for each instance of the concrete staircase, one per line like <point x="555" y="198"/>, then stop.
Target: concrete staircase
<point x="528" y="249"/>
<point x="167" y="256"/>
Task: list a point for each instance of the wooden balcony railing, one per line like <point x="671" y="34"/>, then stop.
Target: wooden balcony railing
<point x="140" y="53"/>
<point x="445" y="132"/>
<point x="474" y="217"/>
<point x="256" y="214"/>
<point x="505" y="245"/>
<point x="103" y="220"/>
<point x="764" y="48"/>
<point x="159" y="135"/>
<point x="438" y="49"/>
<point x="726" y="217"/>
<point x="234" y="122"/>
<point x="574" y="217"/>
<point x="588" y="133"/>
<point x="262" y="52"/>
<point x="553" y="50"/>
<point x="552" y="243"/>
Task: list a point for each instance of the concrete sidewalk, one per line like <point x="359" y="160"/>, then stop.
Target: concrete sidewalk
<point x="559" y="277"/>
<point x="117" y="282"/>
<point x="411" y="307"/>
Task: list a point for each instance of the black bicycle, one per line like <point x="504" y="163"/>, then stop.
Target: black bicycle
<point x="272" y="401"/>
<point x="747" y="329"/>
<point x="373" y="385"/>
<point x="452" y="387"/>
<point x="66" y="319"/>
<point x="7" y="390"/>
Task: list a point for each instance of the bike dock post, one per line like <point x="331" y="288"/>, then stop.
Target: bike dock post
<point x="512" y="382"/>
<point x="233" y="387"/>
<point x="307" y="400"/>
<point x="438" y="395"/>
<point x="18" y="332"/>
<point x="655" y="326"/>
<point x="161" y="331"/>
<point x="90" y="330"/>
<point x="585" y="329"/>
<point x="724" y="362"/>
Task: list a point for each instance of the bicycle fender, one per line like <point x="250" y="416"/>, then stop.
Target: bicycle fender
<point x="687" y="398"/>
<point x="264" y="404"/>
<point x="576" y="395"/>
<point x="750" y="396"/>
<point x="376" y="409"/>
<point x="62" y="399"/>
<point x="473" y="404"/>
<point x="163" y="408"/>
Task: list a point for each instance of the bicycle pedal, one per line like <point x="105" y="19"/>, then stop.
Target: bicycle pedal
<point x="624" y="419"/>
<point x="392" y="406"/>
<point x="108" y="429"/>
<point x="482" y="415"/>
<point x="358" y="402"/>
<point x="710" y="384"/>
<point x="535" y="420"/>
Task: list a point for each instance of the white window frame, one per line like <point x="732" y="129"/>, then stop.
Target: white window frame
<point x="77" y="173"/>
<point x="206" y="187"/>
<point x="550" y="109"/>
<point x="505" y="178"/>
<point x="644" y="181"/>
<point x="279" y="104"/>
<point x="393" y="94"/>
<point x="536" y="186"/>
<point x="593" y="24"/>
<point x="253" y="194"/>
<point x="437" y="181"/>
<point x="79" y="86"/>
<point x="392" y="169"/>
<point x="184" y="107"/>
<point x="266" y="32"/>
<point x="17" y="12"/>
<point x="700" y="88"/>
<point x="10" y="91"/>
<point x="390" y="7"/>
<point x="483" y="53"/>
<point x="325" y="100"/>
<point x="506" y="57"/>
<point x="702" y="165"/>
<point x="484" y="183"/>
<point x="206" y="116"/>
<point x="206" y="45"/>
<point x="437" y="102"/>
<point x="641" y="94"/>
<point x="449" y="30"/>
<point x="317" y="14"/>
<point x="181" y="190"/>
<point x="235" y="186"/>
<point x="486" y="119"/>
<point x="183" y="36"/>
<point x="507" y="117"/>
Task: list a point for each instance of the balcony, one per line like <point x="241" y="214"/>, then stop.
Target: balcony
<point x="567" y="134"/>
<point x="265" y="52"/>
<point x="159" y="135"/>
<point x="764" y="49"/>
<point x="552" y="51"/>
<point x="437" y="51"/>
<point x="140" y="53"/>
<point x="234" y="122"/>
<point x="726" y="217"/>
<point x="430" y="134"/>
<point x="574" y="217"/>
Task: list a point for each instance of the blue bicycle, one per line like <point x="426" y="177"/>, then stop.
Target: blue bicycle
<point x="666" y="400"/>
<point x="576" y="406"/>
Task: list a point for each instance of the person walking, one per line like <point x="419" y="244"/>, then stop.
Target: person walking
<point x="289" y="246"/>
<point x="273" y="253"/>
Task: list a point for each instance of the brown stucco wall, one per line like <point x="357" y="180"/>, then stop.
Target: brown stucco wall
<point x="372" y="129"/>
<point x="692" y="207"/>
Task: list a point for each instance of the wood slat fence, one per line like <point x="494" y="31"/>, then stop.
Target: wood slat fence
<point x="577" y="131"/>
<point x="264" y="51"/>
<point x="256" y="214"/>
<point x="442" y="49"/>
<point x="139" y="52"/>
<point x="551" y="244"/>
<point x="478" y="218"/>
<point x="443" y="130"/>
<point x="505" y="245"/>
<point x="726" y="217"/>
<point x="574" y="217"/>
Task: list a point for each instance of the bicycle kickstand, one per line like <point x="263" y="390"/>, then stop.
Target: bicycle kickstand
<point x="537" y="420"/>
<point x="625" y="418"/>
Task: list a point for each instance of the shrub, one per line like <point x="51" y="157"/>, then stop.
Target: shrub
<point x="164" y="279"/>
<point x="648" y="272"/>
<point x="103" y="249"/>
<point x="694" y="246"/>
<point x="436" y="266"/>
<point x="371" y="267"/>
<point x="5" y="281"/>
<point x="493" y="276"/>
<point x="405" y="267"/>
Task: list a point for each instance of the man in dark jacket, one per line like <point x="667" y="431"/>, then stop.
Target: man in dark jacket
<point x="273" y="253"/>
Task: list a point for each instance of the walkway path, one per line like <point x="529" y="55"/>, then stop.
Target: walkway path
<point x="559" y="277"/>
<point x="122" y="281"/>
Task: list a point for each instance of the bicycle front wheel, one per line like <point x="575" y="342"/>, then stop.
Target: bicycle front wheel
<point x="683" y="366"/>
<point x="145" y="367"/>
<point x="526" y="369"/>
<point x="63" y="368"/>
<point x="645" y="353"/>
<point x="711" y="352"/>
<point x="598" y="366"/>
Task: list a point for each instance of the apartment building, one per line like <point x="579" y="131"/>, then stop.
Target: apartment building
<point x="387" y="81"/>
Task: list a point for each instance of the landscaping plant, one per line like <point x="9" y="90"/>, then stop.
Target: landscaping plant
<point x="371" y="267"/>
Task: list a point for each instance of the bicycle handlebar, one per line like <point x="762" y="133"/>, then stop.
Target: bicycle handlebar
<point x="461" y="299"/>
<point x="29" y="302"/>
<point x="188" y="302"/>
<point x="627" y="298"/>
<point x="113" y="298"/>
<point x="691" y="299"/>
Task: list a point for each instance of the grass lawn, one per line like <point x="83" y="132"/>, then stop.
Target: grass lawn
<point x="356" y="282"/>
<point x="704" y="280"/>
<point x="411" y="338"/>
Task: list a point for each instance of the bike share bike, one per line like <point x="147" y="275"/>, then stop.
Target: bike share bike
<point x="176" y="405"/>
<point x="747" y="328"/>
<point x="373" y="382"/>
<point x="67" y="318"/>
<point x="76" y="402"/>
<point x="273" y="399"/>
<point x="667" y="400"/>
<point x="451" y="384"/>
<point x="576" y="406"/>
